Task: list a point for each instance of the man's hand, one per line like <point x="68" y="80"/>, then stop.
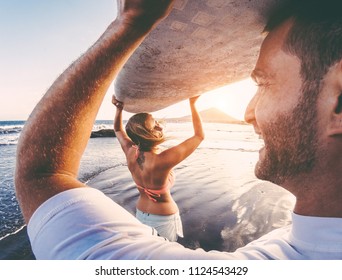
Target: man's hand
<point x="143" y="13"/>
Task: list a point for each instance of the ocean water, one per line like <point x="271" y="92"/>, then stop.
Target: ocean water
<point x="11" y="219"/>
<point x="10" y="216"/>
<point x="223" y="206"/>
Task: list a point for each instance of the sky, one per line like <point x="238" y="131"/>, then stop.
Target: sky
<point x="40" y="39"/>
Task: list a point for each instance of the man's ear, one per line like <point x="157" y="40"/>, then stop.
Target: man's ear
<point x="336" y="120"/>
<point x="337" y="116"/>
<point x="338" y="109"/>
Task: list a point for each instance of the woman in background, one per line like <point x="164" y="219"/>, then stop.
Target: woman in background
<point x="152" y="168"/>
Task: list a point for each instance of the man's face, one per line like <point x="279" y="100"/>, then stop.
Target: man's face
<point x="281" y="115"/>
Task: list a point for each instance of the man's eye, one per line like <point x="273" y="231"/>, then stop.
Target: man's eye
<point x="262" y="84"/>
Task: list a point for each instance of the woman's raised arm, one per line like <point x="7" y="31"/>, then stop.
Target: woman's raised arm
<point x="173" y="156"/>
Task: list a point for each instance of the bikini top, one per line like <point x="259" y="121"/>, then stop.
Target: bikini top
<point x="152" y="194"/>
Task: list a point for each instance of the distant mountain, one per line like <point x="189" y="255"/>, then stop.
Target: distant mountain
<point x="210" y="115"/>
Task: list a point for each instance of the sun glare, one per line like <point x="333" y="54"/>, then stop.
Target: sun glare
<point x="231" y="99"/>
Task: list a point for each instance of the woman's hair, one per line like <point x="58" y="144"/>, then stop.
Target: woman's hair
<point x="144" y="138"/>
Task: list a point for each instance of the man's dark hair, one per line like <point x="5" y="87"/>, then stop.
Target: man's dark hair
<point x="316" y="35"/>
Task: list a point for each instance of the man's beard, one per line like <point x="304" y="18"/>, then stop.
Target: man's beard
<point x="290" y="143"/>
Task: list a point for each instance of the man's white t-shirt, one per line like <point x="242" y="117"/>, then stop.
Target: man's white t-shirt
<point x="84" y="223"/>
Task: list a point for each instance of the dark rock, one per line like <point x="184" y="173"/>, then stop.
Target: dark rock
<point x="102" y="133"/>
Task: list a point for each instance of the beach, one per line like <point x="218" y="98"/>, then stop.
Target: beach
<point x="222" y="205"/>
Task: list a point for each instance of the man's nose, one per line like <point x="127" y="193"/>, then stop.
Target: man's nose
<point x="250" y="110"/>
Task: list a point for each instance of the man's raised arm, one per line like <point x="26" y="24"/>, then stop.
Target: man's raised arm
<point x="56" y="133"/>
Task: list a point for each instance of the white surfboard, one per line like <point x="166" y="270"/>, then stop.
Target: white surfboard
<point x="201" y="46"/>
